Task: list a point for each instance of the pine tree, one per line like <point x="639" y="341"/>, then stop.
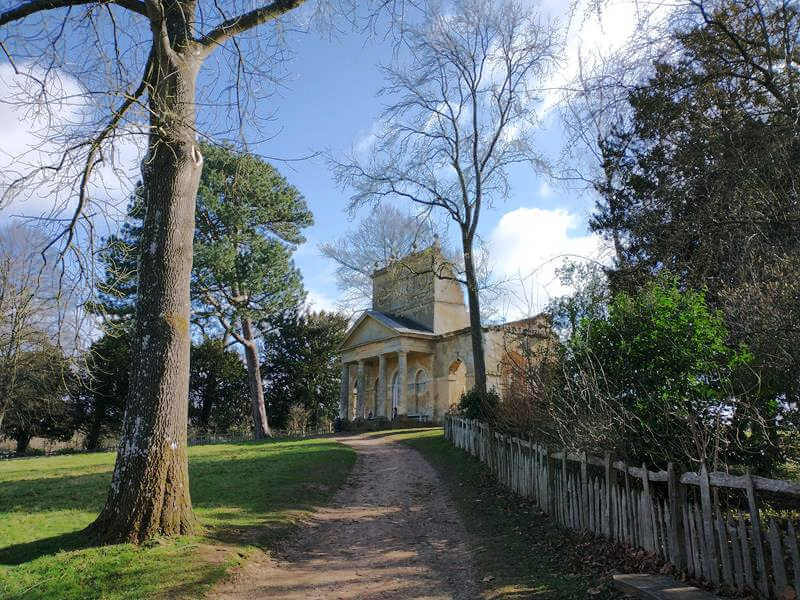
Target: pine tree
<point x="249" y="220"/>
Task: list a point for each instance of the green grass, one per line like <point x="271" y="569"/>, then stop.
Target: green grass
<point x="519" y="552"/>
<point x="244" y="495"/>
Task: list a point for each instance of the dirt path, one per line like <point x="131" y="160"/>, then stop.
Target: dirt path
<point x="390" y="532"/>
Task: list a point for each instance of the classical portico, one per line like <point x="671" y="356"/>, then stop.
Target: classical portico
<point x="411" y="353"/>
<point x="387" y="363"/>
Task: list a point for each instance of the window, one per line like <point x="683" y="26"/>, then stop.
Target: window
<point x="420" y="390"/>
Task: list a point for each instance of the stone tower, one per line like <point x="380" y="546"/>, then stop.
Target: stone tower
<point x="421" y="287"/>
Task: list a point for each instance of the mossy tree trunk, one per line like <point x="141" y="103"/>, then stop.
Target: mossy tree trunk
<point x="149" y="492"/>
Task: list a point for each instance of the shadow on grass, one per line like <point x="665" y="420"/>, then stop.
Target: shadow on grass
<point x="520" y="550"/>
<point x="244" y="499"/>
<point x="22" y="553"/>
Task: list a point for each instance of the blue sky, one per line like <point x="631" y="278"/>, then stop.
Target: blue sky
<point x="331" y="104"/>
<point x="328" y="102"/>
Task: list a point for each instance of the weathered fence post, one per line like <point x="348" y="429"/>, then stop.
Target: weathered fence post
<point x="644" y="513"/>
<point x="583" y="494"/>
<point x="565" y="483"/>
<point x="607" y="496"/>
<point x="688" y="529"/>
<point x="755" y="523"/>
<point x="676" y="537"/>
<point x="711" y="554"/>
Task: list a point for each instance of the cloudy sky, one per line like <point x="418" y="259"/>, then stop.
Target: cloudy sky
<point x="328" y="103"/>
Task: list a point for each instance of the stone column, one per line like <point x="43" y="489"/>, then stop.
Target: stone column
<point x="402" y="381"/>
<point x="362" y="391"/>
<point x="344" y="393"/>
<point x="380" y="401"/>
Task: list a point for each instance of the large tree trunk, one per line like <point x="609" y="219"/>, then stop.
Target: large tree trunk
<point x="208" y="400"/>
<point x="259" y="409"/>
<point x="23" y="440"/>
<point x="93" y="435"/>
<point x="149" y="493"/>
<point x="476" y="331"/>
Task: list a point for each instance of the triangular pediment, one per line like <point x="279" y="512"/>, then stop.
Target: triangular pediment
<point x="367" y="329"/>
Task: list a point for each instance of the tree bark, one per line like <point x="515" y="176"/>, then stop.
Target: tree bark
<point x="149" y="492"/>
<point x="209" y="399"/>
<point x="93" y="435"/>
<point x="476" y="331"/>
<point x="23" y="439"/>
<point x="260" y="424"/>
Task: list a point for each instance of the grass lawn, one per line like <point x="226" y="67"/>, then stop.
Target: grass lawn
<point x="244" y="495"/>
<point x="520" y="553"/>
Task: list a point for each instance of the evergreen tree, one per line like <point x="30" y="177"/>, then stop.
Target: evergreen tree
<point x="702" y="180"/>
<point x="218" y="389"/>
<point x="119" y="257"/>
<point x="98" y="402"/>
<point x="302" y="367"/>
<point x="249" y="220"/>
<point x="247" y="223"/>
<point x="38" y="406"/>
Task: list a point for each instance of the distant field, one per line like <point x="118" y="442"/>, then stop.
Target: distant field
<point x="245" y="495"/>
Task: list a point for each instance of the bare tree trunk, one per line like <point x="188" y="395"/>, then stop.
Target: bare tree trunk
<point x="93" y="435"/>
<point x="476" y="331"/>
<point x="149" y="493"/>
<point x="260" y="423"/>
<point x="23" y="440"/>
<point x="208" y="401"/>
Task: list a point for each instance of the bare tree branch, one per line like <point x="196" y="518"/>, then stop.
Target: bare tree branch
<point x="29" y="8"/>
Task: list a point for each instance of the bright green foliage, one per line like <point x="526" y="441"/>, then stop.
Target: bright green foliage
<point x="249" y="218"/>
<point x="667" y="367"/>
<point x="700" y="177"/>
<point x="46" y="502"/>
<point x="302" y="367"/>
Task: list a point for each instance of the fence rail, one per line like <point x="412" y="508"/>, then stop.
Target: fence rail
<point x="678" y="517"/>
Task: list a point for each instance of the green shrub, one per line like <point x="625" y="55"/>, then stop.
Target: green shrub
<point x="482" y="406"/>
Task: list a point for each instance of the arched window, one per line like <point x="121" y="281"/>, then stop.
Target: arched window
<point x="420" y="389"/>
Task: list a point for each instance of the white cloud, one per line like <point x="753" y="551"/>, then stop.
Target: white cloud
<point x="320" y="301"/>
<point x="38" y="124"/>
<point x="545" y="191"/>
<point x="528" y="245"/>
<point x="597" y="33"/>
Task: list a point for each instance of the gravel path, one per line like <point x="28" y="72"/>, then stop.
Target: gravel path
<point x="390" y="532"/>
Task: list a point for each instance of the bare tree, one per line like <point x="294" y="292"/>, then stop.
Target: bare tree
<point x="384" y="234"/>
<point x="30" y="314"/>
<point x="463" y="111"/>
<point x="138" y="63"/>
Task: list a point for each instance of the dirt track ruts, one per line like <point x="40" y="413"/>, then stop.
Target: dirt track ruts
<point x="390" y="532"/>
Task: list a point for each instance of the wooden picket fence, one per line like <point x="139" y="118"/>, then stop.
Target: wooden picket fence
<point x="676" y="516"/>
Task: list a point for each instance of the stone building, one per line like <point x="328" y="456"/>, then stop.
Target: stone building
<point x="411" y="354"/>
